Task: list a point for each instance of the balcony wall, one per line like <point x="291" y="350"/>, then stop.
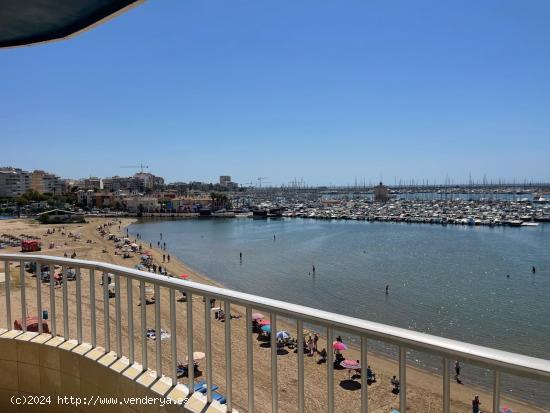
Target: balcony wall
<point x="33" y="364"/>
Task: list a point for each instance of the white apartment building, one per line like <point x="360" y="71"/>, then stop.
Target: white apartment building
<point x="14" y="182"/>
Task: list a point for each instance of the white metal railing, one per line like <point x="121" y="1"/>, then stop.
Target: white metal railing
<point x="497" y="360"/>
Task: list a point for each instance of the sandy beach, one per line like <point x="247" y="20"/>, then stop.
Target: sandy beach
<point x="423" y="388"/>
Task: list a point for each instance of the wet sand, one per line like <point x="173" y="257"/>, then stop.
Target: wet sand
<point x="423" y="388"/>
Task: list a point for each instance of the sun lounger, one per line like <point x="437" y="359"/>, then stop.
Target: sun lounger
<point x="202" y="386"/>
<point x="218" y="397"/>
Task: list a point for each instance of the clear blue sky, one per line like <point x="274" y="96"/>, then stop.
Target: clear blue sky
<point x="324" y="90"/>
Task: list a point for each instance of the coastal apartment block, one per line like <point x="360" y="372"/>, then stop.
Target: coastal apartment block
<point x="44" y="182"/>
<point x="14" y="182"/>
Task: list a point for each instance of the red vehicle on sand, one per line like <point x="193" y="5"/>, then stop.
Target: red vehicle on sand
<point x="31" y="245"/>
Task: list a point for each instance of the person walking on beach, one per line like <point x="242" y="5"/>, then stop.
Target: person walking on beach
<point x="164" y="246"/>
<point x="150" y="245"/>
<point x="315" y="340"/>
<point x="457" y="372"/>
<point x="274" y="238"/>
<point x="168" y="257"/>
<point x="387" y="289"/>
<point x="163" y="257"/>
<point x="161" y="235"/>
<point x="158" y="244"/>
<point x="313" y="269"/>
<point x="310" y="346"/>
<point x="534" y="270"/>
<point x="475" y="405"/>
<point x="241" y="257"/>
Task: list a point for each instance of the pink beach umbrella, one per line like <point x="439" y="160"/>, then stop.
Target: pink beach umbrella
<point x="257" y="316"/>
<point x="350" y="365"/>
<point x="184" y="276"/>
<point x="264" y="323"/>
<point x="338" y="345"/>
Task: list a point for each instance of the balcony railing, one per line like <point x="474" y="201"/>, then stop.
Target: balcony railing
<point x="496" y="360"/>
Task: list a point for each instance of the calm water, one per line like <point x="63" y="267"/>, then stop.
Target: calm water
<point x="449" y="281"/>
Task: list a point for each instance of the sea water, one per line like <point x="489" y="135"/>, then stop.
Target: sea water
<point x="473" y="284"/>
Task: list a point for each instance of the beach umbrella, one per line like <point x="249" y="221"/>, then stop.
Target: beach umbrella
<point x="257" y="316"/>
<point x="338" y="345"/>
<point x="197" y="355"/>
<point x="184" y="276"/>
<point x="350" y="365"/>
<point x="283" y="335"/>
<point x="264" y="323"/>
<point x="266" y="328"/>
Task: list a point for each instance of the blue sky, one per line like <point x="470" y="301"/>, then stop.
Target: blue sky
<point x="319" y="90"/>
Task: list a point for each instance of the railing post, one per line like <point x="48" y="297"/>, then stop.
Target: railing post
<point x="118" y="317"/>
<point x="446" y="386"/>
<point x="330" y="373"/>
<point x="274" y="375"/>
<point x="157" y="332"/>
<point x="364" y="376"/>
<point x="173" y="342"/>
<point x="39" y="296"/>
<point x="208" y="346"/>
<point x="496" y="391"/>
<point x="52" y="314"/>
<point x="8" y="294"/>
<point x="92" y="308"/>
<point x="23" y="296"/>
<point x="300" y="339"/>
<point x="65" y="304"/>
<point x="228" y="366"/>
<point x="249" y="360"/>
<point x="143" y="325"/>
<point x="403" y="379"/>
<point x="130" y="302"/>
<point x="78" y="306"/>
<point x="190" y="359"/>
<point x="106" y="324"/>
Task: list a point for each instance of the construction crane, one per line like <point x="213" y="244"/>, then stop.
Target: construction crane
<point x="260" y="180"/>
<point x="140" y="166"/>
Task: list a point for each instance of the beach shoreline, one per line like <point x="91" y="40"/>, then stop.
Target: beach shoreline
<point x="424" y="387"/>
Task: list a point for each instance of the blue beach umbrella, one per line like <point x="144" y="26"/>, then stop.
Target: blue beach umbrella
<point x="266" y="329"/>
<point x="283" y="335"/>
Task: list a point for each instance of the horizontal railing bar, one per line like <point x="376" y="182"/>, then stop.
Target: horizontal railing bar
<point x="516" y="364"/>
